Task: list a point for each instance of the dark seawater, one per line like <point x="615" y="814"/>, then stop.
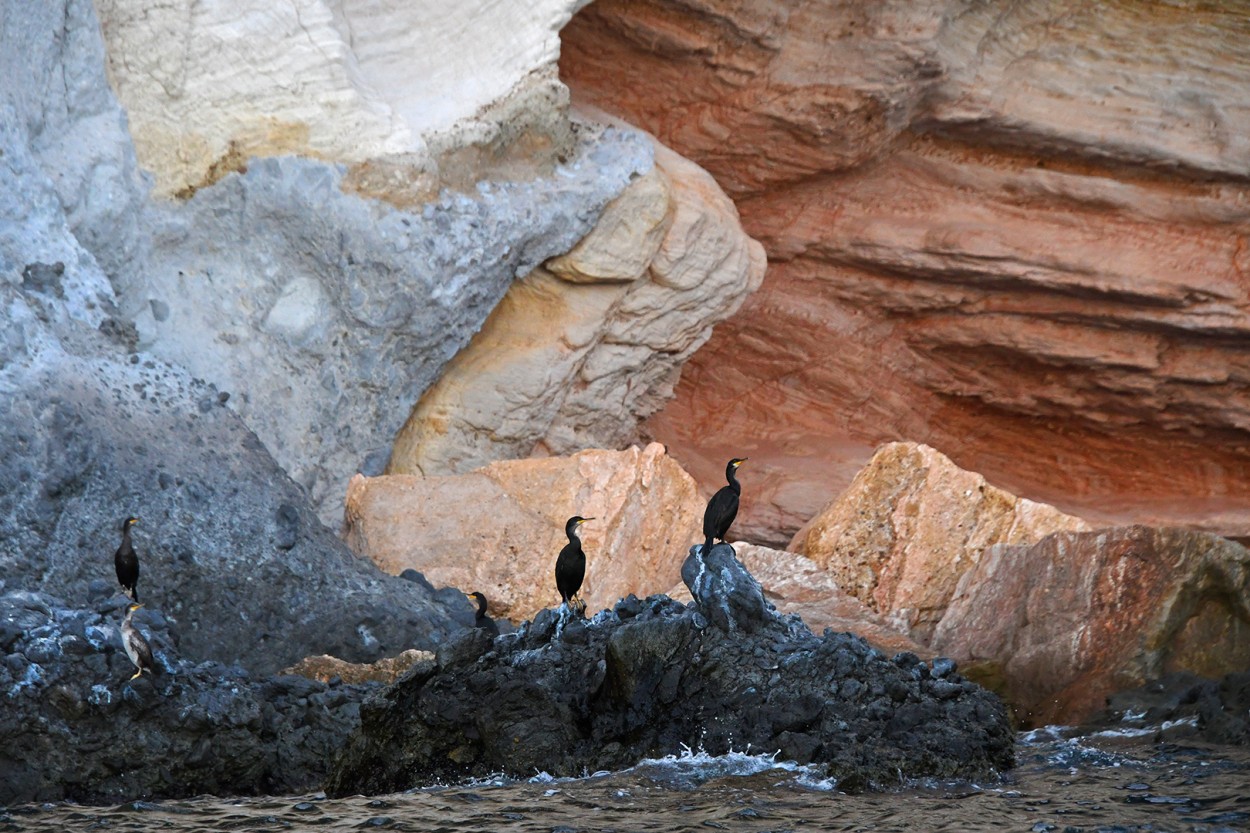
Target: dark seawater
<point x="1103" y="782"/>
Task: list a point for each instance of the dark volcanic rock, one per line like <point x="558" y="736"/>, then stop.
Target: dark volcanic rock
<point x="649" y="677"/>
<point x="1192" y="707"/>
<point x="73" y="727"/>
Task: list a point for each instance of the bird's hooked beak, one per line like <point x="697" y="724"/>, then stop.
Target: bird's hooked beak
<point x="583" y="520"/>
<point x="740" y="462"/>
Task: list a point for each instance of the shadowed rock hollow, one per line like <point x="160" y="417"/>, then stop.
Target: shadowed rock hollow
<point x="651" y="676"/>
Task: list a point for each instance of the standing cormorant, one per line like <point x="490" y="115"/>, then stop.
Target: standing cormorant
<point x="723" y="507"/>
<point x="126" y="560"/>
<point x="571" y="565"/>
<point x="482" y="620"/>
<point x="136" y="646"/>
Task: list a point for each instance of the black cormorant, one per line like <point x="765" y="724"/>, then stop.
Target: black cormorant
<point x="571" y="565"/>
<point x="126" y="560"/>
<point x="136" y="646"/>
<point x="723" y="507"/>
<point x="482" y="620"/>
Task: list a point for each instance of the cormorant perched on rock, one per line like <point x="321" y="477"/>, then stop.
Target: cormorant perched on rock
<point x="723" y="507"/>
<point x="482" y="620"/>
<point x="571" y="565"/>
<point x="136" y="646"/>
<point x="126" y="560"/>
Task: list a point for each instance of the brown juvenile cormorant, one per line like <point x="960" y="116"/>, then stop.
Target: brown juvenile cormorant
<point x="482" y="620"/>
<point x="136" y="646"/>
<point x="571" y="565"/>
<point x="126" y="560"/>
<point x="723" y="507"/>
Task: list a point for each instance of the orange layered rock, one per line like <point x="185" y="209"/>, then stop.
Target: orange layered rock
<point x="1068" y="621"/>
<point x="1017" y="235"/>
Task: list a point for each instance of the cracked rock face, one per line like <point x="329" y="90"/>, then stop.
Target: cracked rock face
<point x="645" y="679"/>
<point x="976" y="241"/>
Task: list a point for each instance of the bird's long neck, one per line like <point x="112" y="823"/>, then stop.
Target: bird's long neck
<point x="731" y="474"/>
<point x="572" y="533"/>
<point x="481" y="606"/>
<point x="125" y="535"/>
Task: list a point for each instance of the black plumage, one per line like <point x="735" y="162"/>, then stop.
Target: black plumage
<point x="571" y="564"/>
<point x="481" y="620"/>
<point x="136" y="646"/>
<point x="723" y="507"/>
<point x="126" y="560"/>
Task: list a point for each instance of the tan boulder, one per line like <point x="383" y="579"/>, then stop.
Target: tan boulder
<point x="1068" y="621"/>
<point x="580" y="350"/>
<point x="911" y="524"/>
<point x="795" y="584"/>
<point x="499" y="529"/>
<point x="386" y="670"/>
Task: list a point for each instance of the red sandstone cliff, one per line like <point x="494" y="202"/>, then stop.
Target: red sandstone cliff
<point x="1018" y="234"/>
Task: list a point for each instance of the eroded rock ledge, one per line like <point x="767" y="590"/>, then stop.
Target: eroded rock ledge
<point x="651" y="676"/>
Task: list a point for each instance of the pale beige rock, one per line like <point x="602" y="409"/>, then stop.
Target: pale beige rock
<point x="625" y="239"/>
<point x="208" y="83"/>
<point x="795" y="584"/>
<point x="911" y="524"/>
<point x="386" y="670"/>
<point x="499" y="529"/>
<point x="563" y="365"/>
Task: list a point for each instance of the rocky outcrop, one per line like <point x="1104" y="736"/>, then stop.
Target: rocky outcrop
<point x="796" y="585"/>
<point x="73" y="726"/>
<point x="339" y="310"/>
<point x="500" y="528"/>
<point x="1068" y="621"/>
<point x="649" y="677"/>
<point x="323" y="292"/>
<point x="910" y="525"/>
<point x="94" y="430"/>
<point x="975" y="240"/>
<point x="580" y="350"/>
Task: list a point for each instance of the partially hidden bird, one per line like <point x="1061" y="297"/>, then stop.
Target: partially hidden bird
<point x="723" y="507"/>
<point x="137" y="648"/>
<point x="126" y="560"/>
<point x="571" y="565"/>
<point x="481" y="620"/>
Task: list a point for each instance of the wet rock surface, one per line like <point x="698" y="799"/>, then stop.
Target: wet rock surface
<point x="1184" y="706"/>
<point x="653" y="676"/>
<point x="73" y="726"/>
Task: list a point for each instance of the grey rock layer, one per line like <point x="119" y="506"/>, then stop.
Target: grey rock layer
<point x="650" y="677"/>
<point x="326" y="315"/>
<point x="74" y="727"/>
<point x="228" y="545"/>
